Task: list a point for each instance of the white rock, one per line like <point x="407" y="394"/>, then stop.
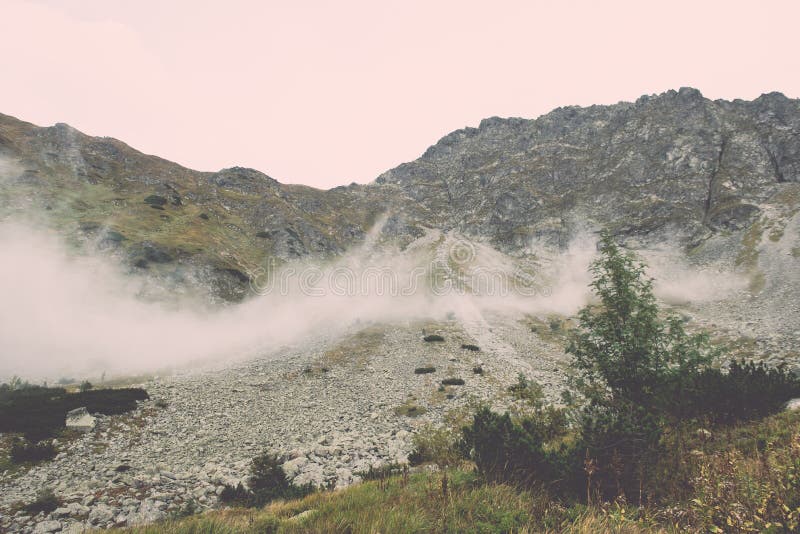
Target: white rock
<point x="149" y="512"/>
<point x="100" y="514"/>
<point x="792" y="405"/>
<point x="47" y="526"/>
<point x="80" y="419"/>
<point x="292" y="467"/>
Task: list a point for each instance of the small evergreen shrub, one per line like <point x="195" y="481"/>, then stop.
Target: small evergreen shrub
<point x="24" y="452"/>
<point x="424" y="370"/>
<point x="747" y="391"/>
<point x="155" y="201"/>
<point x="473" y="348"/>
<point x="453" y="382"/>
<point x="40" y="412"/>
<point x="433" y="338"/>
<point x="268" y="481"/>
<point x="235" y="495"/>
<point x="46" y="501"/>
<point x="516" y="451"/>
<point x="478" y="370"/>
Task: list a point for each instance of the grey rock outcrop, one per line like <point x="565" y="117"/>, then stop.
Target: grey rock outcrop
<point x="80" y="419"/>
<point x="673" y="166"/>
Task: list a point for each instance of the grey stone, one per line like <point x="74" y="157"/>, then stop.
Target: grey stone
<point x="47" y="526"/>
<point x="80" y="419"/>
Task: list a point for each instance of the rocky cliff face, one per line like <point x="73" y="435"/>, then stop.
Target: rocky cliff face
<point x="673" y="163"/>
<point x="674" y="166"/>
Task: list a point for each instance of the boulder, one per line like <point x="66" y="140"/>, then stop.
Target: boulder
<point x="312" y="473"/>
<point x="47" y="526"/>
<point x="80" y="419"/>
<point x="101" y="514"/>
<point x="149" y="512"/>
<point x="293" y="467"/>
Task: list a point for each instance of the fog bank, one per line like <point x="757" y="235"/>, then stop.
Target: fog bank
<point x="63" y="314"/>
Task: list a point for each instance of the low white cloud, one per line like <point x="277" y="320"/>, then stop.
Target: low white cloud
<point x="68" y="314"/>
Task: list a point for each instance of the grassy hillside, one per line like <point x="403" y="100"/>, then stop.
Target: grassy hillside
<point x="742" y="479"/>
<point x="164" y="218"/>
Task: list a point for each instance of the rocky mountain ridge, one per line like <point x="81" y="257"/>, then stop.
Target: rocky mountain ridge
<point x="674" y="166"/>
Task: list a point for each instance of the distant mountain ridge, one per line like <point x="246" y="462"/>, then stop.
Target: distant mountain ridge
<point x="675" y="166"/>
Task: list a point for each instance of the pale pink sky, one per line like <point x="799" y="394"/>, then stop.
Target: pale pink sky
<point x="325" y="93"/>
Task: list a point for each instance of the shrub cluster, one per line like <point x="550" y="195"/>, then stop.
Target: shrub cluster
<point x="453" y="382"/>
<point x="45" y="502"/>
<point x="267" y="482"/>
<point x="640" y="381"/>
<point x="39" y="412"/>
<point x="433" y="338"/>
<point x="516" y="450"/>
<point x="748" y="390"/>
<point x="24" y="452"/>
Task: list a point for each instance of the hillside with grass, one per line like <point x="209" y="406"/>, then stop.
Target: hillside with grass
<point x="741" y="479"/>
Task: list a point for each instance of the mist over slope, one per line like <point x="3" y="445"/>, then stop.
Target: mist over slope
<point x="115" y="260"/>
<point x="67" y="314"/>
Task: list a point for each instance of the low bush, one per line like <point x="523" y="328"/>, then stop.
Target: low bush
<point x="235" y="495"/>
<point x="46" y="501"/>
<point x="453" y="382"/>
<point x="517" y="450"/>
<point x="424" y="370"/>
<point x="155" y="201"/>
<point x="24" y="452"/>
<point x="473" y="348"/>
<point x="267" y="482"/>
<point x="40" y="412"/>
<point x="748" y="390"/>
<point x="478" y="370"/>
<point x="430" y="338"/>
